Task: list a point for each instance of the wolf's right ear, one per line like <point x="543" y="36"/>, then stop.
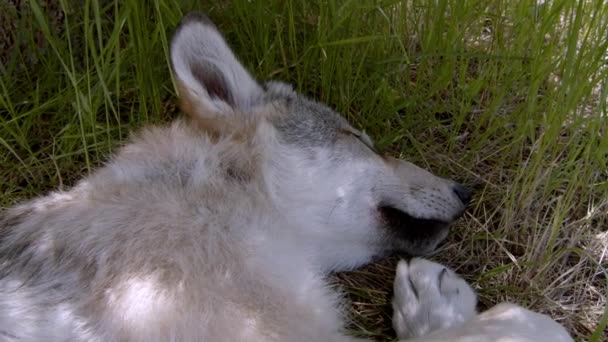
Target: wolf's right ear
<point x="210" y="78"/>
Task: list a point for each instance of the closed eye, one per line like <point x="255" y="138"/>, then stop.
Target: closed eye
<point x="364" y="139"/>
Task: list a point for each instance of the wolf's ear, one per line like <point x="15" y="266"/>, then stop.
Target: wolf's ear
<point x="210" y="78"/>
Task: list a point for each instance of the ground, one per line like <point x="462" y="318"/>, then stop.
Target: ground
<point x="507" y="97"/>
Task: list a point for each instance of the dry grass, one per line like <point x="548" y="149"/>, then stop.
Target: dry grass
<point x="508" y="97"/>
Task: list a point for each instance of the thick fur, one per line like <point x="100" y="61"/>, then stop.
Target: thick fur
<point x="433" y="304"/>
<point x="220" y="226"/>
<point x="217" y="227"/>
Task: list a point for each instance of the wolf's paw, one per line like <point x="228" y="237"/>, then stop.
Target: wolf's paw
<point x="429" y="297"/>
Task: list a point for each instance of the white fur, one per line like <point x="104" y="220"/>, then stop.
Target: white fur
<point x="429" y="297"/>
<point x="433" y="304"/>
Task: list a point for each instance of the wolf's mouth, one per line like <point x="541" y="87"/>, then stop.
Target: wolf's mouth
<point x="409" y="227"/>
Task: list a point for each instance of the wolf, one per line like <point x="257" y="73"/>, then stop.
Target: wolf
<point x="220" y="226"/>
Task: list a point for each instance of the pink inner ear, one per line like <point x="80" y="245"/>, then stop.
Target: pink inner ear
<point x="213" y="81"/>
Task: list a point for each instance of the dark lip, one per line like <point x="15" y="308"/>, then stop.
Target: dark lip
<point x="409" y="226"/>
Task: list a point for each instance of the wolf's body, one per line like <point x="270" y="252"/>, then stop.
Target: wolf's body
<point x="218" y="227"/>
<point x="144" y="254"/>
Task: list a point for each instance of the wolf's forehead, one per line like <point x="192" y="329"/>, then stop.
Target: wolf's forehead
<point x="309" y="123"/>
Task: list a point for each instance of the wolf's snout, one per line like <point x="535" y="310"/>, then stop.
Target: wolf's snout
<point x="463" y="193"/>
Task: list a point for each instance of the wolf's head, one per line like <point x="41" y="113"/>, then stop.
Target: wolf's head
<point x="323" y="173"/>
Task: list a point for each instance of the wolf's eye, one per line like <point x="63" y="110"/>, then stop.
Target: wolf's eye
<point x="365" y="140"/>
<point x="362" y="138"/>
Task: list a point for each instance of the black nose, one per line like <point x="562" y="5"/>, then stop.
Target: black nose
<point x="463" y="193"/>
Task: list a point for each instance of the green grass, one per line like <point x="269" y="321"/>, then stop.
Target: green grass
<point x="508" y="97"/>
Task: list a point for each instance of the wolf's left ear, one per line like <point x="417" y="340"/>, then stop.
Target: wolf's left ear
<point x="210" y="78"/>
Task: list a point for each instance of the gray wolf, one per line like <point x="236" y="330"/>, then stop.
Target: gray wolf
<point x="220" y="226"/>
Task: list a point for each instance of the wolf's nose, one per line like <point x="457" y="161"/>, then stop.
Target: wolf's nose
<point x="463" y="193"/>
